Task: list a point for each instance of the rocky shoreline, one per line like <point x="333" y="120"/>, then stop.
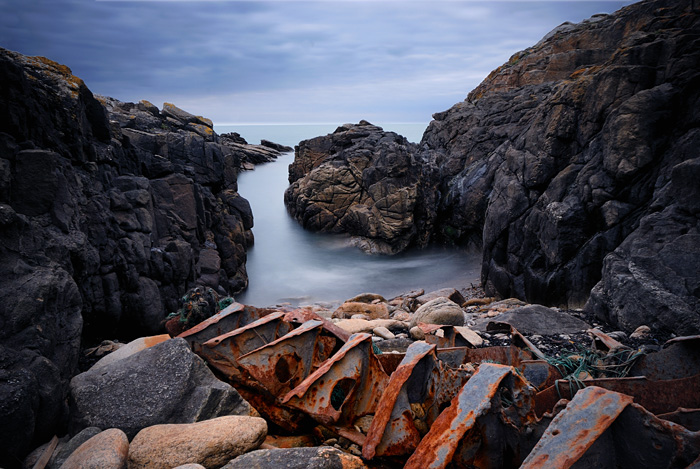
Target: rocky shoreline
<point x="573" y="167"/>
<point x="161" y="406"/>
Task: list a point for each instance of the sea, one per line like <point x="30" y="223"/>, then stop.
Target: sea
<point x="288" y="264"/>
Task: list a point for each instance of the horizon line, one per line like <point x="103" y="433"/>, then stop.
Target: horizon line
<point x="312" y="123"/>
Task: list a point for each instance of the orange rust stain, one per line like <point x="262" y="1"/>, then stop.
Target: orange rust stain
<point x="154" y="340"/>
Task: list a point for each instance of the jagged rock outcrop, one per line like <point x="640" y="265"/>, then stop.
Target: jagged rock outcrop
<point x="607" y="109"/>
<point x="563" y="156"/>
<point x="362" y="181"/>
<point x="109" y="212"/>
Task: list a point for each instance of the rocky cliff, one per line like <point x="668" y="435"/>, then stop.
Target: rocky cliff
<point x="109" y="212"/>
<point x="571" y="166"/>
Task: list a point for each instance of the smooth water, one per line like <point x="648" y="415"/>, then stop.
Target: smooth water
<point x="289" y="264"/>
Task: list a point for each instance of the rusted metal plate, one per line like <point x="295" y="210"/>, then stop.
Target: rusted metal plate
<point x="504" y="355"/>
<point x="223" y="351"/>
<point x="390" y="361"/>
<point x="284" y="363"/>
<point x="346" y="386"/>
<point x="576" y="428"/>
<point x="392" y="430"/>
<point x="680" y="358"/>
<point x="444" y="336"/>
<point x="689" y="418"/>
<point x="658" y="397"/>
<point x="228" y="319"/>
<point x="419" y="389"/>
<point x="303" y="315"/>
<point x="291" y="420"/>
<point x="457" y="424"/>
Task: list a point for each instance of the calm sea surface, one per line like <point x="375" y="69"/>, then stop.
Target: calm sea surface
<point x="289" y="264"/>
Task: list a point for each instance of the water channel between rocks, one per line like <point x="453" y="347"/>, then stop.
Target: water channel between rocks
<point x="290" y="265"/>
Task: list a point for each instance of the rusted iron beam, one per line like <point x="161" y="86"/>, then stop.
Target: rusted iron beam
<point x="222" y="352"/>
<point x="417" y="391"/>
<point x="303" y="315"/>
<point x="228" y="319"/>
<point x="392" y="430"/>
<point x="576" y="428"/>
<point x="601" y="428"/>
<point x="679" y="358"/>
<point x="658" y="397"/>
<point x="470" y="429"/>
<point x="284" y="363"/>
<point x="689" y="418"/>
<point x="504" y="355"/>
<point x="345" y="387"/>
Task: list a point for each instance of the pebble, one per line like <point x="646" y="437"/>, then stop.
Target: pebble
<point x="383" y="332"/>
<point x="417" y="333"/>
<point x="640" y="332"/>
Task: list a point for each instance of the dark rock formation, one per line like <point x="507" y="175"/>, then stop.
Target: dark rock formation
<point x="109" y="212"/>
<point x="359" y="180"/>
<point x="166" y="383"/>
<point x="578" y="148"/>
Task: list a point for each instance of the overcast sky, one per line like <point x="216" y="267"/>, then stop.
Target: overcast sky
<point x="286" y="61"/>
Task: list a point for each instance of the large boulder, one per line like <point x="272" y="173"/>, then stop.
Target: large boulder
<point x="362" y="181"/>
<point x="166" y="383"/>
<point x="211" y="443"/>
<point x="441" y="310"/>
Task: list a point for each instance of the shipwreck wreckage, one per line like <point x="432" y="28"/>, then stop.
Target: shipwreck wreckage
<point x="445" y="403"/>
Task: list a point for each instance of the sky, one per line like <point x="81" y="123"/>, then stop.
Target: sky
<point x="331" y="61"/>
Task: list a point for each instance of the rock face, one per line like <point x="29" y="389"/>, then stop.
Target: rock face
<point x="166" y="383"/>
<point x="359" y="180"/>
<point x="109" y="212"/>
<point x="580" y="147"/>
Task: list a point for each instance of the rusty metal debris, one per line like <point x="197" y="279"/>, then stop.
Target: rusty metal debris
<point x="467" y="434"/>
<point x="601" y="428"/>
<point x="347" y="386"/>
<point x="445" y="402"/>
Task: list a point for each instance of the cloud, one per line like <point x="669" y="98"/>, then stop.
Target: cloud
<point x="279" y="60"/>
